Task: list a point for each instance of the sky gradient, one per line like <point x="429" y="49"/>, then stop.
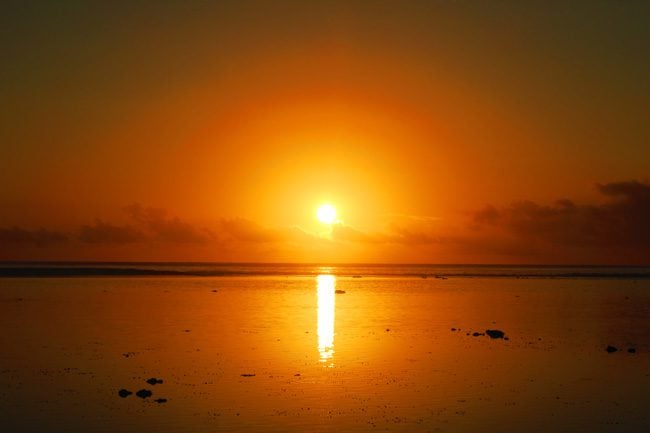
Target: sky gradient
<point x="443" y="131"/>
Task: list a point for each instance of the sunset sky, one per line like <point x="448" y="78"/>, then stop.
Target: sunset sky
<point x="442" y="131"/>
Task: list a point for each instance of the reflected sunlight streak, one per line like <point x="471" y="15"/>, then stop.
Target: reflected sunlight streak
<point x="325" y="291"/>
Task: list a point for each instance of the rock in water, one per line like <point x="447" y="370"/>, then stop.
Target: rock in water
<point x="495" y="333"/>
<point x="154" y="381"/>
<point x="160" y="400"/>
<point x="611" y="349"/>
<point x="124" y="393"/>
<point x="144" y="393"/>
<point x="339" y="292"/>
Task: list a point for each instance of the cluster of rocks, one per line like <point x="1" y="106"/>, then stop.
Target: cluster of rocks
<point x="612" y="349"/>
<point x="492" y="333"/>
<point x="143" y="393"/>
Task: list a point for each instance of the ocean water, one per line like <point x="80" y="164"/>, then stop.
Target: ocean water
<point x="297" y="348"/>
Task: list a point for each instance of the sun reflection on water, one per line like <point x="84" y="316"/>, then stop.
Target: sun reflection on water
<point x="325" y="290"/>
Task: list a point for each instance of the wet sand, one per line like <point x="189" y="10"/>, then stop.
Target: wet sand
<point x="289" y="354"/>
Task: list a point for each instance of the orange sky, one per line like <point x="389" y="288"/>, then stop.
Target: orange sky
<point x="442" y="131"/>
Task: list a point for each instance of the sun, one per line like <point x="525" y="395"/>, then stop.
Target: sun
<point x="326" y="214"/>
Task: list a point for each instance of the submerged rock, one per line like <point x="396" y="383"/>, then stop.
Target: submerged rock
<point x="611" y="349"/>
<point x="160" y="400"/>
<point x="495" y="333"/>
<point x="154" y="381"/>
<point x="124" y="393"/>
<point x="477" y="334"/>
<point x="339" y="292"/>
<point x="144" y="393"/>
<point x="247" y="375"/>
<point x="631" y="350"/>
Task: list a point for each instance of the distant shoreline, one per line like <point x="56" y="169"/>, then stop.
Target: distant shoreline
<point x="144" y="269"/>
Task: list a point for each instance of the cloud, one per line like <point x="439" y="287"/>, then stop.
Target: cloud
<point x="159" y="227"/>
<point x="403" y="230"/>
<point x="106" y="233"/>
<point x="622" y="221"/>
<point x="345" y="233"/>
<point x="616" y="230"/>
<point x="241" y="229"/>
<point x="414" y="234"/>
<point x="613" y="230"/>
<point x="15" y="236"/>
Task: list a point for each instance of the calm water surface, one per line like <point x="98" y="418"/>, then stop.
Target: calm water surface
<point x="289" y="354"/>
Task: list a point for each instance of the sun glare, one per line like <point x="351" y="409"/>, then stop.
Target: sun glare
<point x="326" y="214"/>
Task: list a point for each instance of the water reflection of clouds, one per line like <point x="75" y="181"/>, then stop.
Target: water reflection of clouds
<point x="326" y="302"/>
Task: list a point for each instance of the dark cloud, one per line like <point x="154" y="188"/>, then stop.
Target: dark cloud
<point x="488" y="215"/>
<point x="14" y="236"/>
<point x="162" y="228"/>
<point x="622" y="221"/>
<point x="106" y="233"/>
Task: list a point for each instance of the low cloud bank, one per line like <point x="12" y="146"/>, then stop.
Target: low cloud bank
<point x="615" y="230"/>
<point x="622" y="221"/>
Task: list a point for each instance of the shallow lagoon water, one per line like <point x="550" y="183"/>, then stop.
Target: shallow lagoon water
<point x="288" y="354"/>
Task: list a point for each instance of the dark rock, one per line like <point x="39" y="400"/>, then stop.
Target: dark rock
<point x="160" y="400"/>
<point x="154" y="381"/>
<point x="453" y="329"/>
<point x="477" y="334"/>
<point x="611" y="349"/>
<point x="339" y="292"/>
<point x="124" y="393"/>
<point x="495" y="333"/>
<point x="631" y="350"/>
<point x="144" y="393"/>
<point x="247" y="375"/>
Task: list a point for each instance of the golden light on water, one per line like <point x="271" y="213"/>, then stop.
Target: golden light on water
<point x="325" y="290"/>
